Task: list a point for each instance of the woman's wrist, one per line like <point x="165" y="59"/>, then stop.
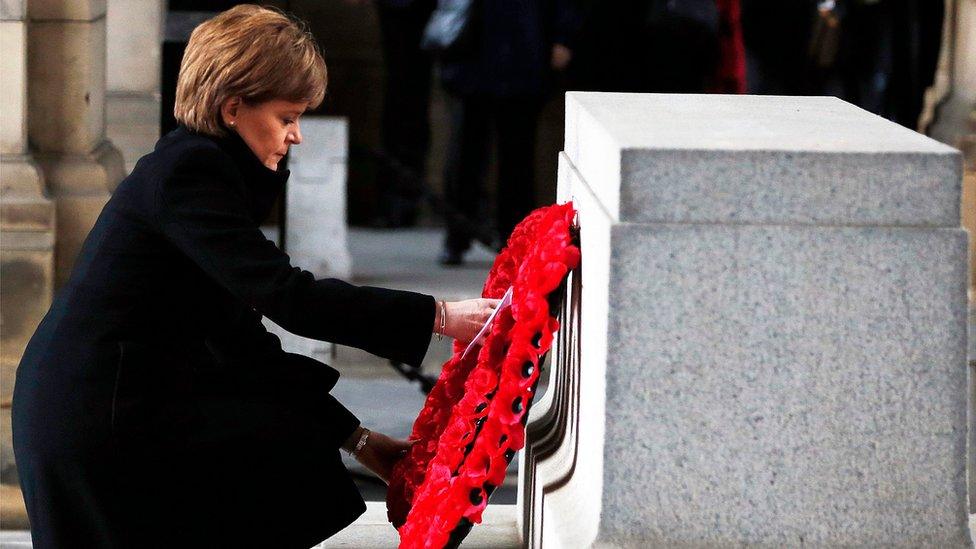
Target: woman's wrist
<point x="440" y="319"/>
<point x="350" y="444"/>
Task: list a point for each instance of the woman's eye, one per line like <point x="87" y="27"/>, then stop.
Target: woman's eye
<point x="288" y="121"/>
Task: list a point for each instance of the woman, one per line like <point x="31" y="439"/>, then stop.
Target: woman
<point x="151" y="407"/>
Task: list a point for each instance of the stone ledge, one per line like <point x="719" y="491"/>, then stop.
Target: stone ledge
<point x="27" y="241"/>
<point x="660" y="158"/>
<point x="67" y="10"/>
<point x="972" y="331"/>
<point x="372" y="530"/>
<point x="31" y="214"/>
<point x="83" y="174"/>
<point x="13" y="516"/>
<point x="20" y="177"/>
<point x="13" y="10"/>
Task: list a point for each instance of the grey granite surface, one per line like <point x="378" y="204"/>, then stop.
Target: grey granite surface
<point x="782" y="386"/>
<point x="758" y="159"/>
<point x="12" y="10"/>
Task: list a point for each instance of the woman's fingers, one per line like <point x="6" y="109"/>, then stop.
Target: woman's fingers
<point x="465" y="318"/>
<point x="488" y="308"/>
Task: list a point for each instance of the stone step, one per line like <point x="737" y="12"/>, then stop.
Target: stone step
<point x="13" y="514"/>
<point x="372" y="531"/>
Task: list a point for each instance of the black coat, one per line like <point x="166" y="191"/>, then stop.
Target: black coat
<point x="152" y="408"/>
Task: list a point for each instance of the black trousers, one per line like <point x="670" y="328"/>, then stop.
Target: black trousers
<point x="406" y="99"/>
<point x="513" y="121"/>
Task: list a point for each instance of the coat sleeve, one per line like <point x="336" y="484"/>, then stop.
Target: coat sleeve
<point x="201" y="209"/>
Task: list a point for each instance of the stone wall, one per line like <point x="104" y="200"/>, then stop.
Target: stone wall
<point x="66" y="77"/>
<point x="27" y="224"/>
<point x="769" y="331"/>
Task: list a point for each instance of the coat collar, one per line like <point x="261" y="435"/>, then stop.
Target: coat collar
<point x="262" y="184"/>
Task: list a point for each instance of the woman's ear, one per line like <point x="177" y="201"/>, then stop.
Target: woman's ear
<point x="228" y="110"/>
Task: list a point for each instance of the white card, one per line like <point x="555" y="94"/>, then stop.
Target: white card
<point x="476" y="342"/>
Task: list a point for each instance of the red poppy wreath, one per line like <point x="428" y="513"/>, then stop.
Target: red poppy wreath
<point x="474" y="418"/>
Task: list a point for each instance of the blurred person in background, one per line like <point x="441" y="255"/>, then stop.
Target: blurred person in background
<point x="878" y="54"/>
<point x="151" y="407"/>
<point x="498" y="86"/>
<point x="662" y="46"/>
<point x="406" y="100"/>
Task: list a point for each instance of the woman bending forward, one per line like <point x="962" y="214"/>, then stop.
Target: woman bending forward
<point x="151" y="407"/>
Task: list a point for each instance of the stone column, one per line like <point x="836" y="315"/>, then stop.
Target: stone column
<point x="134" y="31"/>
<point x="956" y="125"/>
<point x="27" y="222"/>
<point x="956" y="122"/>
<point x="765" y="343"/>
<point x="315" y="223"/>
<point x="66" y="76"/>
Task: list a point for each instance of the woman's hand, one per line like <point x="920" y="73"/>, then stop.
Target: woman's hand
<point x="464" y="319"/>
<point x="381" y="452"/>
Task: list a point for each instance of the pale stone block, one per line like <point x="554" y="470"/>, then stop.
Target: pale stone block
<point x="327" y="136"/>
<point x="316" y="239"/>
<point x="27" y="228"/>
<point x="98" y="172"/>
<point x="316" y="200"/>
<point x="312" y="170"/>
<point x="135" y="35"/>
<point x="757" y="159"/>
<point x="969" y="222"/>
<point x="67" y="10"/>
<point x="132" y="124"/>
<point x="13" y="102"/>
<point x="80" y="186"/>
<point x="13" y="516"/>
<point x="26" y="288"/>
<point x="971" y="464"/>
<point x="964" y="52"/>
<point x="19" y="176"/>
<point x="66" y="77"/>
<point x="76" y="216"/>
<point x="8" y="467"/>
<point x="972" y="330"/>
<point x="13" y="10"/>
<point x="25" y="215"/>
<point x="810" y="379"/>
<point x="788" y="385"/>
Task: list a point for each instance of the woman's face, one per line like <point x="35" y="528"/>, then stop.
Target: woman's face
<point x="268" y="128"/>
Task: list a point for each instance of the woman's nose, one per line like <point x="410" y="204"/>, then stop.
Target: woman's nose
<point x="296" y="136"/>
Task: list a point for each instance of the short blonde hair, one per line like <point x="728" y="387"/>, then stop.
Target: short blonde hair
<point x="255" y="53"/>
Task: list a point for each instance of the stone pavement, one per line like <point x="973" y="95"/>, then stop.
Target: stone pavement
<point x="372" y="531"/>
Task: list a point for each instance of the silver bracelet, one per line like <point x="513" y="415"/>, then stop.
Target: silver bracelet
<point x="440" y="331"/>
<point x="361" y="443"/>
